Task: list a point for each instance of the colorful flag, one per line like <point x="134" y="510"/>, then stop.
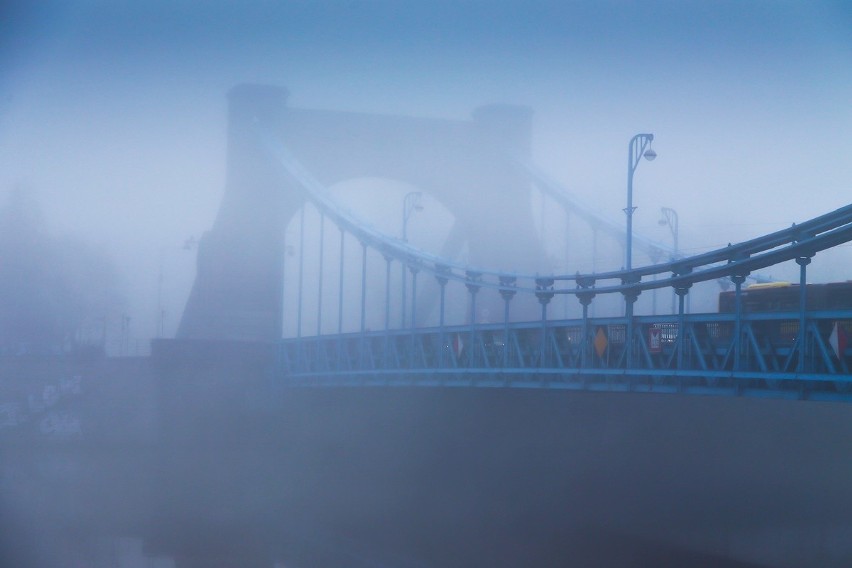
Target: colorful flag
<point x="600" y="342"/>
<point x="458" y="344"/>
<point x="837" y="339"/>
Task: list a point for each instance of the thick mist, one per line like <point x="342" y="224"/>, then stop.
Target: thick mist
<point x="115" y="114"/>
<point x="114" y="133"/>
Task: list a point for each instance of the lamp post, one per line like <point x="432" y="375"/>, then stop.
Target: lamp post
<point x="669" y="217"/>
<point x="410" y="204"/>
<point x="640" y="146"/>
<point x="188" y="245"/>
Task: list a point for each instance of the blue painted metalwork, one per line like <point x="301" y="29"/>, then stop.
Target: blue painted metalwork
<point x="340" y="289"/>
<point x="301" y="271"/>
<point x="806" y="239"/>
<point x="635" y="151"/>
<point x="803" y="262"/>
<point x="696" y="356"/>
<point x="320" y="279"/>
<point x="363" y="287"/>
<point x="783" y="354"/>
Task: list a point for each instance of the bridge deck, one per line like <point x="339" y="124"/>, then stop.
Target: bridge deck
<point x="758" y="355"/>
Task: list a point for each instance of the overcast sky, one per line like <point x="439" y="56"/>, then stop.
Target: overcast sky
<point x="115" y="111"/>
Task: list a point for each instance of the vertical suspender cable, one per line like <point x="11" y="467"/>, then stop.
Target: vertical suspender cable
<point x="413" y="297"/>
<point x="340" y="290"/>
<point x="681" y="327"/>
<point x="413" y="314"/>
<point x="387" y="311"/>
<point x="738" y="317"/>
<point x="803" y="304"/>
<point x="362" y="341"/>
<point x="301" y="270"/>
<point x="441" y="273"/>
<point x="363" y="287"/>
<point x="321" y="251"/>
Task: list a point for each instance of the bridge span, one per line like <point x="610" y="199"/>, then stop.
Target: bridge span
<point x="541" y="440"/>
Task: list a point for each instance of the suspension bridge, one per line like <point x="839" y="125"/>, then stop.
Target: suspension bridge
<point x="797" y="351"/>
<point x="317" y="407"/>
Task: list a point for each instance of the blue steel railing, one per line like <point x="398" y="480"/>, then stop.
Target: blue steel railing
<point x="759" y="355"/>
<point x="734" y="353"/>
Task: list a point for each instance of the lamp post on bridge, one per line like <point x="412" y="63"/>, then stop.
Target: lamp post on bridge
<point x="640" y="146"/>
<point x="410" y="204"/>
<point x="669" y="217"/>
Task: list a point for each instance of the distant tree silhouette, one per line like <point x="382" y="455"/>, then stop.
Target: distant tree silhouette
<point x="56" y="294"/>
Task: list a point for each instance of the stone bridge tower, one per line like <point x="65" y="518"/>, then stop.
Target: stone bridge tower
<point x="469" y="166"/>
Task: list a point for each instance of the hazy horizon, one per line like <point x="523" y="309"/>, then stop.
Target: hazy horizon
<point x="115" y="114"/>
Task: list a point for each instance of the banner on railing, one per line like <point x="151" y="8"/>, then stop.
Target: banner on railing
<point x="600" y="342"/>
<point x="458" y="344"/>
<point x="655" y="340"/>
<point x="838" y="340"/>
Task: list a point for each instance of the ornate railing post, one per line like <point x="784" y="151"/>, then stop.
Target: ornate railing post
<point x="473" y="284"/>
<point x="738" y="277"/>
<point x="681" y="292"/>
<point x="507" y="292"/>
<point x="681" y="289"/>
<point x="738" y="280"/>
<point x="414" y="268"/>
<point x="631" y="294"/>
<point x="442" y="273"/>
<point x="544" y="293"/>
<point x="803" y="262"/>
<point x="585" y="296"/>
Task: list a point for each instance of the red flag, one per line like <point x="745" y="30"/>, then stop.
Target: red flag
<point x="458" y="344"/>
<point x="838" y="340"/>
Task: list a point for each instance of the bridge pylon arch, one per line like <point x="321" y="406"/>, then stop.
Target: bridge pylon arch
<point x="471" y="166"/>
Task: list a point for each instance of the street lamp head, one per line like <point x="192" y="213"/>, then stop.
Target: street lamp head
<point x="662" y="222"/>
<point x="638" y="143"/>
<point x="410" y="205"/>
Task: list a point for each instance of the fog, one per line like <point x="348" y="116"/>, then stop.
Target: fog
<point x="114" y="117"/>
<point x="115" y="113"/>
